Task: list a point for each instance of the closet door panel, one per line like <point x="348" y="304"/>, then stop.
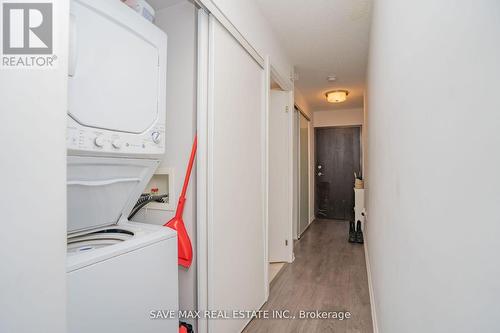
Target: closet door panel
<point x="235" y="179"/>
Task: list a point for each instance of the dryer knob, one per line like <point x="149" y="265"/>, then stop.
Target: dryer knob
<point x="117" y="144"/>
<point x="156" y="137"/>
<point x="99" y="141"/>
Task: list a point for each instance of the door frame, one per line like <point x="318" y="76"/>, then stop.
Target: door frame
<point x="271" y="74"/>
<point x="202" y="261"/>
<point x="361" y="161"/>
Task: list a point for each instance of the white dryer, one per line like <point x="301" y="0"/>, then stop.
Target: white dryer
<point x="117" y="82"/>
<point x="118" y="271"/>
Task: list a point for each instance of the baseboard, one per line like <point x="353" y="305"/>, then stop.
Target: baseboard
<point x="307" y="227"/>
<point x="370" y="287"/>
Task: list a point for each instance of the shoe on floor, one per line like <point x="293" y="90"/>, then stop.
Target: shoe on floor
<point x="352" y="232"/>
<point x="359" y="233"/>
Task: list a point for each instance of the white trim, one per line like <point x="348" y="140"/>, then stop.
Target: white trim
<point x="370" y="285"/>
<point x="201" y="169"/>
<point x="312" y="171"/>
<point x="285" y="84"/>
<point x="288" y="84"/>
<point x="299" y="187"/>
<point x="210" y="167"/>
<point x="212" y="8"/>
<point x="302" y="112"/>
<point x="265" y="160"/>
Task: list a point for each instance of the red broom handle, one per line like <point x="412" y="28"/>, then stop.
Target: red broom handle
<point x="182" y="197"/>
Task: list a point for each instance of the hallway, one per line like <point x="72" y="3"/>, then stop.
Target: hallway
<point x="328" y="274"/>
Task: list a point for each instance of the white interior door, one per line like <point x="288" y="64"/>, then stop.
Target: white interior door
<point x="280" y="238"/>
<point x="235" y="180"/>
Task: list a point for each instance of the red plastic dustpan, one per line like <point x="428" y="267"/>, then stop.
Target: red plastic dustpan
<point x="185" y="250"/>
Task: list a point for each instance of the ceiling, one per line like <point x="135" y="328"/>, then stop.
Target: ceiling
<point x="322" y="38"/>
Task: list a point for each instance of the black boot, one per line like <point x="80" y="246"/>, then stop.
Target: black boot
<point x="352" y="232"/>
<point x="359" y="233"/>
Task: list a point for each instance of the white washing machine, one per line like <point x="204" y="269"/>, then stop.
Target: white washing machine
<point x="117" y="271"/>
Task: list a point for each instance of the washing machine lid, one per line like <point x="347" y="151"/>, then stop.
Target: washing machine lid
<point x="114" y="67"/>
<point x="102" y="191"/>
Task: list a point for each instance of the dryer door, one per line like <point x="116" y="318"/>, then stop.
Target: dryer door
<point x="113" y="67"/>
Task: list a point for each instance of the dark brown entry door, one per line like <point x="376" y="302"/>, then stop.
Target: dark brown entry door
<point x="337" y="158"/>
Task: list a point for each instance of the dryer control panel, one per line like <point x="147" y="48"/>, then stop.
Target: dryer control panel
<point x="83" y="140"/>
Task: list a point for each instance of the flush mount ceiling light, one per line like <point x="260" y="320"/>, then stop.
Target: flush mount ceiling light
<point x="336" y="96"/>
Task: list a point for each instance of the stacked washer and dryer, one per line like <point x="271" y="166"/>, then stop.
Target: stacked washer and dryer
<point x="117" y="271"/>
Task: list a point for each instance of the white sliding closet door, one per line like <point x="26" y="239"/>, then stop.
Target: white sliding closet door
<point x="304" y="175"/>
<point x="235" y="187"/>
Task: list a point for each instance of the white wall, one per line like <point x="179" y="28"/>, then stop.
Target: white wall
<point x="342" y="117"/>
<point x="365" y="148"/>
<point x="246" y="16"/>
<point x="179" y="22"/>
<point x="33" y="195"/>
<point x="433" y="111"/>
<point x="301" y="102"/>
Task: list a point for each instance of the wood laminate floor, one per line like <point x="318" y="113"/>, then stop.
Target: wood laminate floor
<point x="274" y="269"/>
<point x="328" y="274"/>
